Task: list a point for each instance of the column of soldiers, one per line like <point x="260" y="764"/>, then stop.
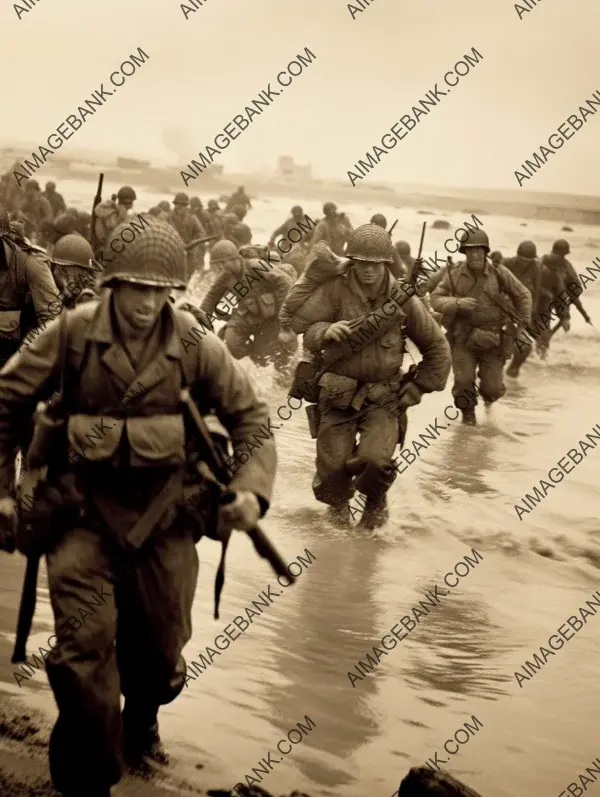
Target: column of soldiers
<point x="113" y="518"/>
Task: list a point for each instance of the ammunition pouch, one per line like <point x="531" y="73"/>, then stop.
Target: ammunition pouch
<point x="45" y="513"/>
<point x="480" y="340"/>
<point x="267" y="304"/>
<point x="337" y="392"/>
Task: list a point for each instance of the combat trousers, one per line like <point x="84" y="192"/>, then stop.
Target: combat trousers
<point x="339" y="458"/>
<point x="265" y="346"/>
<point x="467" y="365"/>
<point x="131" y="644"/>
<point x="521" y="350"/>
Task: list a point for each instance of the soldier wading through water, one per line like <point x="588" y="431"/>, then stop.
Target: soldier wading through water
<point x="482" y="305"/>
<point x="363" y="393"/>
<point x="128" y="343"/>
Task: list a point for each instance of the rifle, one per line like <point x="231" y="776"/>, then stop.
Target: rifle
<point x="48" y="423"/>
<point x="214" y="469"/>
<point x="94" y="242"/>
<point x="391" y="230"/>
<point x="413" y="276"/>
<point x="198" y="241"/>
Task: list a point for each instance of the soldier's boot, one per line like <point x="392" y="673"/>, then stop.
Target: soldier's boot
<point x="513" y="370"/>
<point x="339" y="514"/>
<point x="376" y="513"/>
<point x="141" y="740"/>
<point x="468" y="417"/>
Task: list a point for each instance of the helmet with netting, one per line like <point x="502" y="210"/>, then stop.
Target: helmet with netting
<point x="156" y="256"/>
<point x="72" y="250"/>
<point x="371" y="244"/>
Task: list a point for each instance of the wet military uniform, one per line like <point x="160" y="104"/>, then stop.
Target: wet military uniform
<point x="335" y="231"/>
<point x="361" y="393"/>
<point x="126" y="444"/>
<point x="478" y="338"/>
<point x="526" y="267"/>
<point x="253" y="327"/>
<point x="28" y="293"/>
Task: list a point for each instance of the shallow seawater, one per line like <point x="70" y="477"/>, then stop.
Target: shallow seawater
<point x="533" y="573"/>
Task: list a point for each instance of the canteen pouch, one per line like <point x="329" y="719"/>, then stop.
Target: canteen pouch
<point x="337" y="391"/>
<point x="483" y="340"/>
<point x="313" y="414"/>
<point x="10" y="325"/>
<point x="304" y="384"/>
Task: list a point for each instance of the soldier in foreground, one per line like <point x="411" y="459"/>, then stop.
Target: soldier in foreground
<point x="125" y="368"/>
<point x="363" y="392"/>
<point x="480" y="304"/>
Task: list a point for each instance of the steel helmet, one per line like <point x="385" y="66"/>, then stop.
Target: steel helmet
<point x="32" y="184"/>
<point x="297" y="210"/>
<point x="403" y="248"/>
<point x="72" y="250"/>
<point x="239" y="211"/>
<point x="164" y="205"/>
<point x="371" y="244"/>
<point x="65" y="223"/>
<point x="196" y="202"/>
<point x="126" y="194"/>
<point x="230" y="219"/>
<point x="474" y="238"/>
<point x="154" y="211"/>
<point x="527" y="249"/>
<point x="329" y="207"/>
<point x="181" y="199"/>
<point x="241" y="234"/>
<point x="222" y="251"/>
<point x="156" y="256"/>
<point x="4" y="220"/>
<point x="50" y="186"/>
<point x="213" y="204"/>
<point x="561" y="247"/>
<point x="380" y="220"/>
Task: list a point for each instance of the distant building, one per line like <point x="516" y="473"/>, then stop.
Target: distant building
<point x="287" y="168"/>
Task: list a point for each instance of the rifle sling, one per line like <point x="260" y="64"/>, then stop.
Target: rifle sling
<point x="158" y="506"/>
<point x="344" y="350"/>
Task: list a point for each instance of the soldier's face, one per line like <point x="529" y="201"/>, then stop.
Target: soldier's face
<point x="476" y="258"/>
<point x="140" y="305"/>
<point x="368" y="273"/>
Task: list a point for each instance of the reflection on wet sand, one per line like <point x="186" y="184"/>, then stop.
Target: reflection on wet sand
<point x="332" y="617"/>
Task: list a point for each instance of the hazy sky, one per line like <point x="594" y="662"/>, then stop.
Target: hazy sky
<point x="368" y="72"/>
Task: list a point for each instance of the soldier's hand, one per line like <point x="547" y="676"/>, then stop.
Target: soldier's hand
<point x="287" y="337"/>
<point x="242" y="514"/>
<point x="410" y="395"/>
<point x="338" y="331"/>
<point x="8" y="517"/>
<point x="566" y="324"/>
<point x="466" y="304"/>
